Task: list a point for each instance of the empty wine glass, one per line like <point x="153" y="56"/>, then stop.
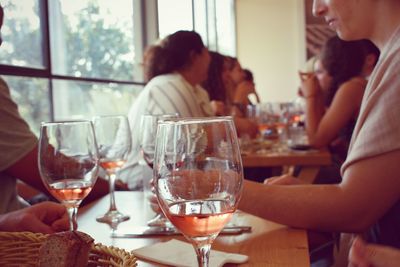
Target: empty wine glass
<point x="68" y="162"/>
<point x="114" y="142"/>
<point x="198" y="177"/>
<point x="148" y="134"/>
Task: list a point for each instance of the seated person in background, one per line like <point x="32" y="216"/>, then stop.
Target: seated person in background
<point x="218" y="76"/>
<point x="333" y="96"/>
<point x="248" y="76"/>
<point x="366" y="255"/>
<point x="238" y="89"/>
<point x="175" y="69"/>
<point x="19" y="156"/>
<point x="45" y="217"/>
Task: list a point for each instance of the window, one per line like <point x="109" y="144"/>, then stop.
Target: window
<point x="214" y="20"/>
<point x="92" y="39"/>
<point x="31" y="95"/>
<point x="69" y="59"/>
<point x="65" y="59"/>
<point x="174" y="15"/>
<point x="22" y="35"/>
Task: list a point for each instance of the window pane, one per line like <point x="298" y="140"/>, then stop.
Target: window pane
<point x="83" y="100"/>
<point x="200" y="19"/>
<point x="21" y="33"/>
<point x="174" y="15"/>
<point x="32" y="98"/>
<point x="92" y="38"/>
<point x="212" y="28"/>
<point x="226" y="30"/>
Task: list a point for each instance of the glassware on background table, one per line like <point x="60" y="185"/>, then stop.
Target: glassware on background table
<point x="198" y="177"/>
<point x="68" y="162"/>
<point x="148" y="127"/>
<point x="114" y="143"/>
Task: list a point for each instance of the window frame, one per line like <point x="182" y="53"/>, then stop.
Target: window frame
<point x="145" y="21"/>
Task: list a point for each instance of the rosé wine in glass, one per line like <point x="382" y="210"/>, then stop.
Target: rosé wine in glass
<point x="68" y="162"/>
<point x="148" y="126"/>
<point x="198" y="177"/>
<point x="114" y="141"/>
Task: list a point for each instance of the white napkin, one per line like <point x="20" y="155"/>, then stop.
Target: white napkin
<point x="182" y="254"/>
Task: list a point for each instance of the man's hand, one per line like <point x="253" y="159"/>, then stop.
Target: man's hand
<point x="45" y="217"/>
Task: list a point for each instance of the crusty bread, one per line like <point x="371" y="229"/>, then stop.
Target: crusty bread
<point x="66" y="249"/>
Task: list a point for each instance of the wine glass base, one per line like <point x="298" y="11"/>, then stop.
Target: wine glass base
<point x="160" y="221"/>
<point x="112" y="217"/>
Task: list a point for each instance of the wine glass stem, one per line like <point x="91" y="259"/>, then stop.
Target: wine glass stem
<point x="203" y="254"/>
<point x="72" y="211"/>
<point x="111" y="180"/>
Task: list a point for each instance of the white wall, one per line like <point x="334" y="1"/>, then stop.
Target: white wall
<point x="271" y="43"/>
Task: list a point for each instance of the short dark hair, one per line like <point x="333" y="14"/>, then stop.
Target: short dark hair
<point x="248" y="75"/>
<point x="343" y="60"/>
<point x="175" y="51"/>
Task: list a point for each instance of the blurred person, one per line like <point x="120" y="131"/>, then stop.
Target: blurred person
<point x="45" y="217"/>
<point x="238" y="88"/>
<point x="367" y="199"/>
<point x="179" y="64"/>
<point x="218" y="76"/>
<point x="248" y="76"/>
<point x="333" y="95"/>
<point x="19" y="159"/>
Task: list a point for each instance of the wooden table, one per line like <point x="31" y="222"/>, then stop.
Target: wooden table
<point x="309" y="161"/>
<point x="269" y="244"/>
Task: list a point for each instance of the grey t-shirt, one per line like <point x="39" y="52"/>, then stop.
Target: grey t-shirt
<point x="16" y="140"/>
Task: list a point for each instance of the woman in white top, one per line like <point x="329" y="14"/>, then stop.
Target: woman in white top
<point x="175" y="69"/>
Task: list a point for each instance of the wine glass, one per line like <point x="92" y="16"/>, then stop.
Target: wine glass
<point x="198" y="177"/>
<point x="68" y="162"/>
<point x="148" y="128"/>
<point x="114" y="142"/>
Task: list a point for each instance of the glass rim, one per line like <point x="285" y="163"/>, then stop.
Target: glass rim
<point x="196" y="120"/>
<point x="170" y="115"/>
<point x="63" y="122"/>
<point x="109" y="116"/>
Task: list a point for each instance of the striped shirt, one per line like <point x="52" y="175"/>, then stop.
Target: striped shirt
<point x="164" y="94"/>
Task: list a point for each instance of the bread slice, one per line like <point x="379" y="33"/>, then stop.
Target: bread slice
<point x="66" y="249"/>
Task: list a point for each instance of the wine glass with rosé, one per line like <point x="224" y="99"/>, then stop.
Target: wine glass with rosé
<point x="198" y="177"/>
<point x="114" y="143"/>
<point x="68" y="162"/>
<point x="148" y="132"/>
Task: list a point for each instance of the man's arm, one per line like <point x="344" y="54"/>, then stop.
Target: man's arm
<point x="369" y="188"/>
<point x="26" y="169"/>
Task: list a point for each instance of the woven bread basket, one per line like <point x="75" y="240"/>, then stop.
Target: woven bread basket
<point x="22" y="249"/>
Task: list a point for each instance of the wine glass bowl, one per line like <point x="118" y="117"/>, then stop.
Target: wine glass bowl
<point x="68" y="162"/>
<point x="198" y="177"/>
<point x="148" y="135"/>
<point x="114" y="143"/>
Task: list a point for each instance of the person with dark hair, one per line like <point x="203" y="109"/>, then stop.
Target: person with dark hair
<point x="150" y="68"/>
<point x="248" y="75"/>
<point x="215" y="85"/>
<point x="176" y="67"/>
<point x="333" y="95"/>
<point x="238" y="87"/>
